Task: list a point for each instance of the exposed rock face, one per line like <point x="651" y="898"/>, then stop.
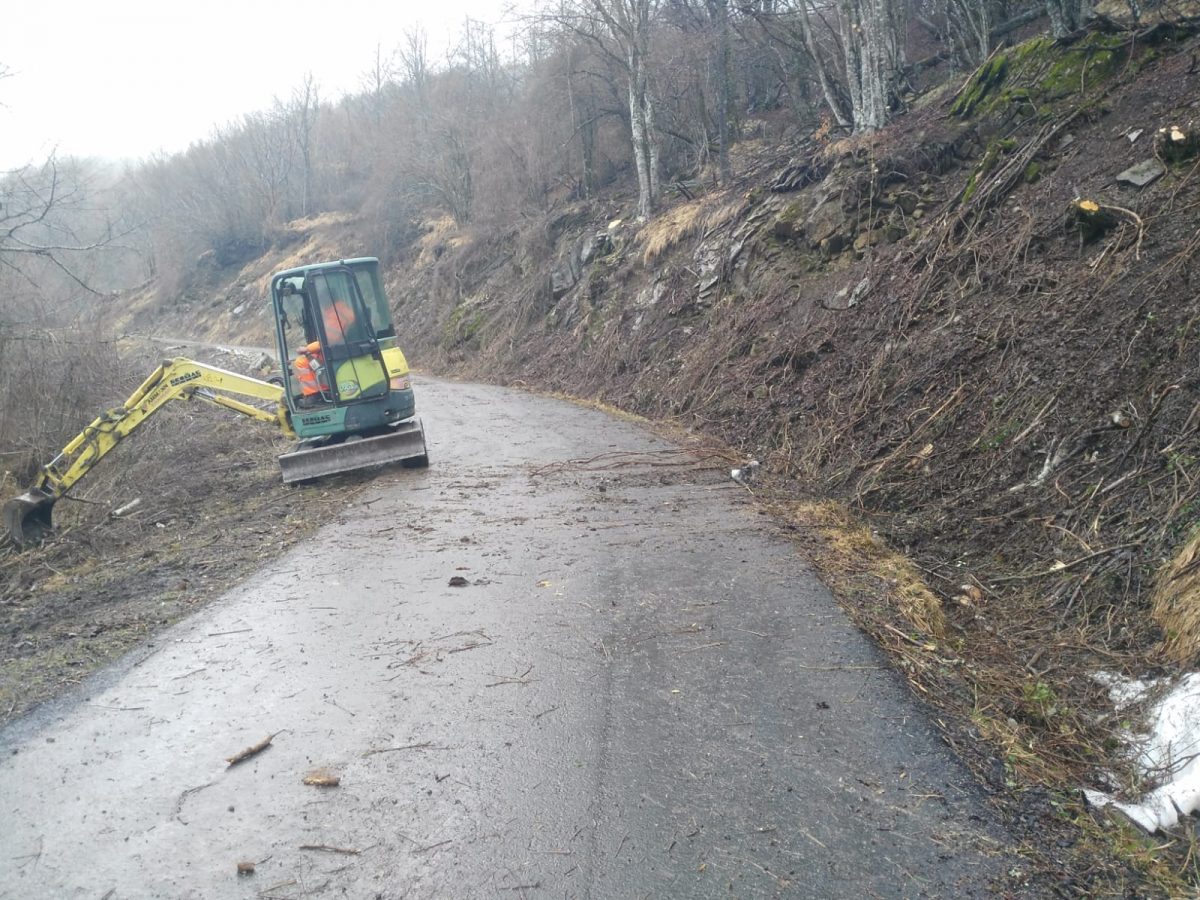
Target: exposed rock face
<point x="582" y="252"/>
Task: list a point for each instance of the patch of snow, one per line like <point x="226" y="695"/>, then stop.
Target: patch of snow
<point x="1169" y="754"/>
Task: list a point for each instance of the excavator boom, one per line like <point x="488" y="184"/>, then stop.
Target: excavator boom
<point x="27" y="518"/>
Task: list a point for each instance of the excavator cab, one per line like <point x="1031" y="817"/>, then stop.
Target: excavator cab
<point x="346" y="377"/>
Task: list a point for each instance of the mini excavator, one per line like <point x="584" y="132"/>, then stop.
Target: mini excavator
<point x="345" y="393"/>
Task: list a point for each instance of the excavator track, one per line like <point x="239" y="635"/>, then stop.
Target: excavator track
<point x="405" y="444"/>
<point x="27" y="517"/>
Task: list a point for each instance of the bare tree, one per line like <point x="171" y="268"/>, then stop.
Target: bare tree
<point x="302" y="116"/>
<point x="376" y="80"/>
<point x="629" y="22"/>
<point x="1067" y="16"/>
<point x="46" y="221"/>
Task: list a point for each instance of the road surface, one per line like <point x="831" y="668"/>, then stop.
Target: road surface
<point x="640" y="691"/>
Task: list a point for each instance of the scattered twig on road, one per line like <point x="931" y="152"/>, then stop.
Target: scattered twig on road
<point x="703" y="647"/>
<point x="35" y="857"/>
<point x="182" y="797"/>
<point x="836" y="668"/>
<point x="430" y="847"/>
<point x="375" y="750"/>
<point x="189" y="674"/>
<point x="544" y="712"/>
<point x="243" y="755"/>
<point x="466" y="647"/>
<point x="348" y="851"/>
<point x="509" y="679"/>
<point x="223" y="633"/>
<point x="276" y="887"/>
<point x="617" y="459"/>
<point x="333" y="702"/>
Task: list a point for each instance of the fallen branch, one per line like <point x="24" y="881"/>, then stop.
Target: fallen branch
<point x="321" y="778"/>
<point x="1065" y="566"/>
<point x="510" y="679"/>
<point x="348" y="851"/>
<point x="254" y="750"/>
<point x="127" y="508"/>
<point x="395" y="749"/>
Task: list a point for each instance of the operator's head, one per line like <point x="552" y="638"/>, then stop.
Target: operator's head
<point x="338" y="318"/>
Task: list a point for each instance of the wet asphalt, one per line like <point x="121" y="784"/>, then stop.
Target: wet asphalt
<point x="641" y="691"/>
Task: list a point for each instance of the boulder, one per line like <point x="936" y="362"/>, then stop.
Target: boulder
<point x="595" y="246"/>
<point x="1144" y="173"/>
<point x="832" y="246"/>
<point x="826" y="220"/>
<point x="847" y="296"/>
<point x="565" y="276"/>
<point x="870" y="239"/>
<point x="906" y="201"/>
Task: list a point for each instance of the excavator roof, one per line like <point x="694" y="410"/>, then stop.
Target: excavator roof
<point x="304" y="270"/>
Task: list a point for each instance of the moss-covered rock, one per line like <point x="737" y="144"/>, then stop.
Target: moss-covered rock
<point x="1039" y="71"/>
<point x="986" y="79"/>
<point x="1084" y="65"/>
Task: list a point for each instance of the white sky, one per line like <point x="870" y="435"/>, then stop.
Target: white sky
<point x="126" y="78"/>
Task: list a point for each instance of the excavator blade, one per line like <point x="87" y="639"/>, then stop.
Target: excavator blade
<point x="27" y="517"/>
<point x="405" y="443"/>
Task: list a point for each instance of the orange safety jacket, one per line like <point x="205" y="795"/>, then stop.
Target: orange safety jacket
<point x="308" y="368"/>
<point x="306" y="376"/>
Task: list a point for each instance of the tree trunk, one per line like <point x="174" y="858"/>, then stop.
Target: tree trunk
<point x="719" y="12"/>
<point x="1067" y="16"/>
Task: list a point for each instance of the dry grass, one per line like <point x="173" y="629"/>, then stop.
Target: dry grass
<point x="1175" y="603"/>
<point x="673" y="227"/>
<point x="855" y="549"/>
<point x="318" y="238"/>
<point x="441" y="234"/>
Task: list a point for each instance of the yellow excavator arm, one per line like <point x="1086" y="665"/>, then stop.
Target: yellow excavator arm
<point x="27" y="517"/>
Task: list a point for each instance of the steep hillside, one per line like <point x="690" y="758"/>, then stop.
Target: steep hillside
<point x="929" y="328"/>
<point x="919" y="325"/>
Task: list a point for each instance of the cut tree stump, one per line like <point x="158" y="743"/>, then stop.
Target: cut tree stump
<point x="1176" y="143"/>
<point x="1091" y="218"/>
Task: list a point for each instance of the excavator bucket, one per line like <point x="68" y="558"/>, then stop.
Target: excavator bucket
<point x="405" y="443"/>
<point x="27" y="517"/>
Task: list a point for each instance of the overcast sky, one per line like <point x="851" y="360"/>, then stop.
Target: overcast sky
<point x="126" y="78"/>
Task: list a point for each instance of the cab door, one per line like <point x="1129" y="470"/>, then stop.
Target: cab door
<point x="347" y="335"/>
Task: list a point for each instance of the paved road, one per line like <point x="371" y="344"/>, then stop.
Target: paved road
<point x="642" y="691"/>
